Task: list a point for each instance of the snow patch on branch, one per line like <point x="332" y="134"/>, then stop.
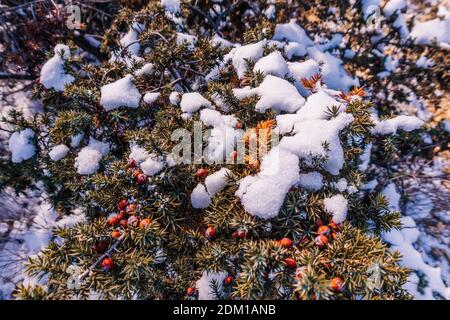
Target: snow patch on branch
<point x="273" y="64"/>
<point x="193" y="101"/>
<point x="279" y="172"/>
<point x="88" y="160"/>
<point x="390" y="126"/>
<point x="275" y="93"/>
<point x="21" y="145"/>
<point x="337" y="207"/>
<point x="200" y="198"/>
<point x="53" y="75"/>
<point x="311" y="135"/>
<point x="252" y="52"/>
<point x="58" y="152"/>
<point x="292" y="32"/>
<point x="121" y="93"/>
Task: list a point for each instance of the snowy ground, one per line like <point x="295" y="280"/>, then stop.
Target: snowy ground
<point x="427" y="187"/>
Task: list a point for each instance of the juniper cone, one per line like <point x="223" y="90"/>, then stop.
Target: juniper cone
<point x="296" y="220"/>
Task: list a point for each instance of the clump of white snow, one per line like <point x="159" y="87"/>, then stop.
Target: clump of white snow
<point x="318" y="105"/>
<point x="369" y="7"/>
<point x="184" y="38"/>
<point x="58" y="152"/>
<point x="221" y="42"/>
<point x="174" y="98"/>
<point x="220" y="102"/>
<point x="21" y="145"/>
<point x="334" y="74"/>
<point x="130" y="39"/>
<point x="279" y="172"/>
<point x="192" y="101"/>
<point x="393" y="6"/>
<point x="270" y="12"/>
<point x="53" y="75"/>
<point x="446" y="125"/>
<point x="217" y="181"/>
<point x="293" y="49"/>
<point x="88" y="160"/>
<point x="121" y="93"/>
<point x="151" y="97"/>
<point x="337" y="207"/>
<point x="152" y="166"/>
<point x="423" y="62"/>
<point x="222" y="138"/>
<point x="278" y="94"/>
<point x="365" y="157"/>
<point x="273" y="64"/>
<point x="392" y="196"/>
<point x="309" y="138"/>
<point x="312" y="181"/>
<point x="76" y="139"/>
<point x="252" y="52"/>
<point x="390" y="126"/>
<point x="436" y="30"/>
<point x="295" y="36"/>
<point x="341" y="185"/>
<point x="245" y="92"/>
<point x="200" y="198"/>
<point x="147" y="68"/>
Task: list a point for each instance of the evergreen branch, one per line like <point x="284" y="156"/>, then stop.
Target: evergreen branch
<point x="99" y="259"/>
<point x="12" y="76"/>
